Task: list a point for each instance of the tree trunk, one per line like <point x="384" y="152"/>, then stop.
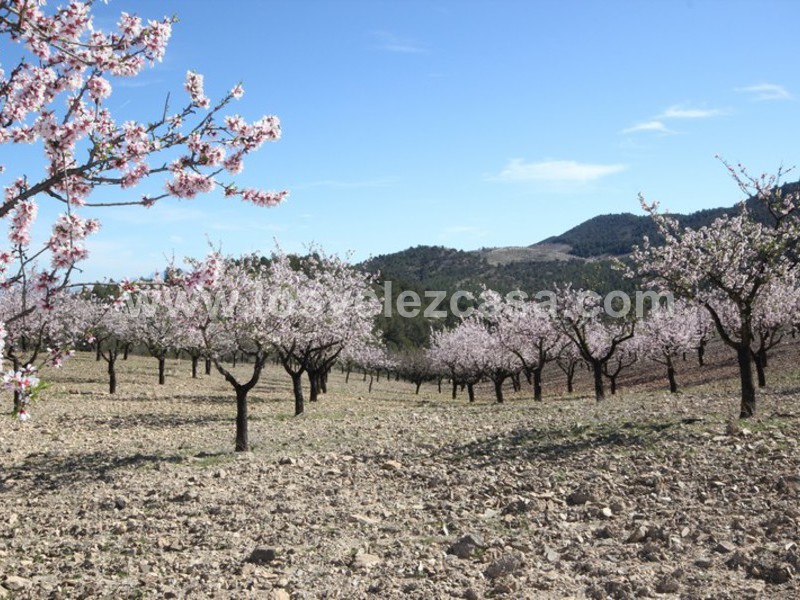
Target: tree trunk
<point x="370" y="383"/>
<point x="455" y="389"/>
<point x="112" y="372"/>
<point x="748" y="402"/>
<point x="347" y="377"/>
<point x="162" y="360"/>
<point x="419" y="384"/>
<point x="242" y="444"/>
<point x="537" y="384"/>
<point x="195" y="360"/>
<point x="17" y="395"/>
<point x="599" y="390"/>
<point x="313" y="386"/>
<point x="471" y="392"/>
<point x="323" y="382"/>
<point x="297" y="388"/>
<point x="125" y="351"/>
<point x="97" y="353"/>
<point x="571" y="378"/>
<point x="613" y="380"/>
<point x="673" y="385"/>
<point x="439" y="383"/>
<point x="760" y="360"/>
<point x="208" y="366"/>
<point x="498" y="390"/>
<point x="701" y="353"/>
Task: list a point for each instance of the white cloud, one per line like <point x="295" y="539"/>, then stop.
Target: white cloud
<point x="766" y="91"/>
<point x="556" y="171"/>
<point x="393" y="43"/>
<point x="654" y="125"/>
<point x="678" y="111"/>
<point x="674" y="112"/>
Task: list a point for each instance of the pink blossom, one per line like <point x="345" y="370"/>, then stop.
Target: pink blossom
<point x="99" y="88"/>
<point x="194" y="85"/>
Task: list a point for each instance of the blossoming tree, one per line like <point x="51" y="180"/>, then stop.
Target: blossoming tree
<point x="728" y="265"/>
<point x="57" y="96"/>
<point x="580" y="316"/>
<point x="669" y="331"/>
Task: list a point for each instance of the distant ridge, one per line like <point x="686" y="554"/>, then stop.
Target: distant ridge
<point x="581" y="256"/>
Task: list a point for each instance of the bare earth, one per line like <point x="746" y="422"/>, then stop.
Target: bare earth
<point x="390" y="495"/>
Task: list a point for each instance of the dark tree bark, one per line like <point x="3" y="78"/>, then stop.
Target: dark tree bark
<point x="112" y="371"/>
<point x="162" y="363"/>
<point x="748" y="403"/>
<point x="208" y="366"/>
<point x="537" y="384"/>
<point x="471" y="392"/>
<point x="760" y="361"/>
<point x="673" y="384"/>
<point x="313" y="386"/>
<point x="242" y="443"/>
<point x="498" y="390"/>
<point x="297" y="390"/>
<point x="195" y="360"/>
<point x="597" y="372"/>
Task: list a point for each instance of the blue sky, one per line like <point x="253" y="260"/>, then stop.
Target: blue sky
<point x="462" y="123"/>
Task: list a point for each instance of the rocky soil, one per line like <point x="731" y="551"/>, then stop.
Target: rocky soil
<point x="391" y="495"/>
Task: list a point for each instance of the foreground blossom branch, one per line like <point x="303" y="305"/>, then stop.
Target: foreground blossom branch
<point x="56" y="96"/>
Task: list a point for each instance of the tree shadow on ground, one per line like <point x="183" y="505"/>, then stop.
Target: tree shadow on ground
<point x="555" y="444"/>
<point x="48" y="472"/>
<point x="154" y="420"/>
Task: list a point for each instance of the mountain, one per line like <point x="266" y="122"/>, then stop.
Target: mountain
<point x="583" y="256"/>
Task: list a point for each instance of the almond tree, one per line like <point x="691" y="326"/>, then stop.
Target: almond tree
<point x="56" y="96"/>
<point x="581" y="318"/>
<point x="727" y="265"/>
<point x="470" y="352"/>
<point x="108" y="325"/>
<point x="325" y="305"/>
<point x="567" y="359"/>
<point x="669" y="331"/>
<point x="33" y="339"/>
<point x="773" y="317"/>
<point x="414" y="366"/>
<point x="224" y="303"/>
<point x="369" y="355"/>
<point x="626" y="355"/>
<point x="155" y="323"/>
<point x="455" y="352"/>
<point x="525" y="329"/>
